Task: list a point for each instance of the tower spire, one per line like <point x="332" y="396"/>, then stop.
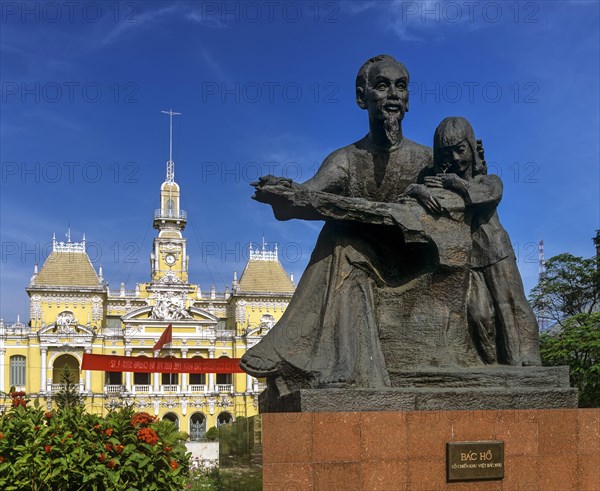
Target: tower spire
<point x="170" y="164"/>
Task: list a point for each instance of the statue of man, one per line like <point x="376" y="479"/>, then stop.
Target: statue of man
<point x="328" y="335"/>
<point x="383" y="165"/>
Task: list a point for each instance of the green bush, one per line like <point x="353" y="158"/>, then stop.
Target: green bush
<point x="69" y="449"/>
<point x="212" y="434"/>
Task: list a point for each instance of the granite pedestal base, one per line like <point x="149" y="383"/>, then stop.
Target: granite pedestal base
<point x="438" y="389"/>
<point x="544" y="450"/>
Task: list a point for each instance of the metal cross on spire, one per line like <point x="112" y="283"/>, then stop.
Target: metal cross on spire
<point x="170" y="163"/>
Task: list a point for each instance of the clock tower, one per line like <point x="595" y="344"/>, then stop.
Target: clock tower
<point x="169" y="258"/>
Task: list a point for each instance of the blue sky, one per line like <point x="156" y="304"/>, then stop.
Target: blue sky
<point x="268" y="87"/>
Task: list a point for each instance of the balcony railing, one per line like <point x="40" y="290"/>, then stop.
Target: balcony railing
<point x="142" y="389"/>
<point x="170" y="214"/>
<point x="197" y="388"/>
<point x="15" y="328"/>
<point x="122" y="293"/>
<point x="224" y="388"/>
<point x="57" y="387"/>
<point x="169" y="388"/>
<point x="114" y="389"/>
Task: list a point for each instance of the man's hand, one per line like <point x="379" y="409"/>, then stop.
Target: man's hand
<point x="272" y="181"/>
<point x="421" y="193"/>
<point x="268" y="188"/>
<point x="447" y="181"/>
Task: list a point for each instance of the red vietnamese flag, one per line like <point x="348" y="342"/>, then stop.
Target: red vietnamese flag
<point x="165" y="338"/>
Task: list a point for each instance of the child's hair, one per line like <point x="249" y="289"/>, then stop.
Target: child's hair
<point x="451" y="131"/>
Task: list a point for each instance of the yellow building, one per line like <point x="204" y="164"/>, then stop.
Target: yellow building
<point x="73" y="311"/>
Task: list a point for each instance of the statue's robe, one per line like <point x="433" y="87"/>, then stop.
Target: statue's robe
<point x="501" y="320"/>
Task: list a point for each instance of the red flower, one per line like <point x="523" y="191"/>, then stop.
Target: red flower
<point x="142" y="419"/>
<point x="119" y="449"/>
<point x="102" y="457"/>
<point x="48" y="415"/>
<point x="1" y="459"/>
<point x="174" y="465"/>
<point x="167" y="449"/>
<point x="1" y="436"/>
<point x="47" y="448"/>
<point x="36" y="428"/>
<point x="111" y="464"/>
<point x="147" y="435"/>
<point x="109" y="431"/>
<point x="109" y="447"/>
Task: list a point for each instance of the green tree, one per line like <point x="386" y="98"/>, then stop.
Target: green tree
<point x="570" y="286"/>
<point x="577" y="345"/>
<point x="569" y="294"/>
<point x="68" y="395"/>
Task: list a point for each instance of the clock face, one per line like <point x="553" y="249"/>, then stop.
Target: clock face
<point x="170" y="259"/>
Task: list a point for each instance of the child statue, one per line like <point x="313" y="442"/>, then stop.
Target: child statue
<point x="501" y="321"/>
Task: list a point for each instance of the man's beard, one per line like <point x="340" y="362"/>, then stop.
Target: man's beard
<point x="392" y="127"/>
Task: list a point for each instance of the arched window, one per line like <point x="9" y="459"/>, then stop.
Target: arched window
<point x="224" y="378"/>
<point x="170" y="378"/>
<point x="197" y="427"/>
<point x="65" y="365"/>
<point x="173" y="418"/>
<point x="197" y="378"/>
<point x="170" y="208"/>
<point x="18" y="365"/>
<point x="224" y="418"/>
<point x="141" y="378"/>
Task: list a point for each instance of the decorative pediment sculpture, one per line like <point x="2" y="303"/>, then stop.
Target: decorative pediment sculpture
<point x="170" y="306"/>
<point x="65" y="323"/>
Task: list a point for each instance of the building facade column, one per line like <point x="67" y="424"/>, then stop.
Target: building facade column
<point x="184" y="376"/>
<point x="156" y="376"/>
<point x="128" y="374"/>
<point x="2" y="373"/>
<point x="43" y="369"/>
<point x="211" y="376"/>
<point x="88" y="375"/>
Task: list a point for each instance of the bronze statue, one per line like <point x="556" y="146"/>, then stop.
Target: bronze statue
<point x="398" y="268"/>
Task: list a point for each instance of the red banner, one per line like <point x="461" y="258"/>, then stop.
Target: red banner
<point x="141" y="364"/>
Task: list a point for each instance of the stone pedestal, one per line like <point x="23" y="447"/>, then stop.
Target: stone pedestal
<point x="495" y="387"/>
<point x="544" y="450"/>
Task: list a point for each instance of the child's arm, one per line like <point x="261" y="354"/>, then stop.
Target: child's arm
<point x="482" y="190"/>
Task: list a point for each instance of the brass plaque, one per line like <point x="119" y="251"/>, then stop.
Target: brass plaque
<point x="474" y="461"/>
